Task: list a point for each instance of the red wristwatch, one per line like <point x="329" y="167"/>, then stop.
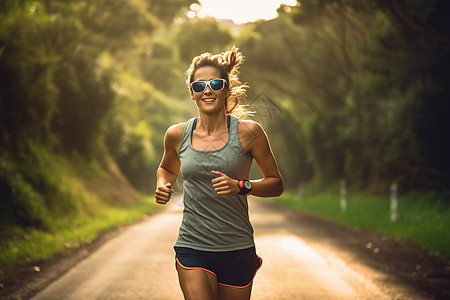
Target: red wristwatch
<point x="245" y="187"/>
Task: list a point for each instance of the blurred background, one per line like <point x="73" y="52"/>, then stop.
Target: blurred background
<point x="346" y="90"/>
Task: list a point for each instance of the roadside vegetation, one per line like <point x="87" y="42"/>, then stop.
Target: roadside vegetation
<point x="77" y="200"/>
<point x="422" y="218"/>
<point x="28" y="245"/>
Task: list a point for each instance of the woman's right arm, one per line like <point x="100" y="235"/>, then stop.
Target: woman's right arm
<point x="170" y="164"/>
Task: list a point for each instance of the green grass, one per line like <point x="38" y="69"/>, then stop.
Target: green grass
<point x="52" y="202"/>
<point x="70" y="232"/>
<point x="423" y="219"/>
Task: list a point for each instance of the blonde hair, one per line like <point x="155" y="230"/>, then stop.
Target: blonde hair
<point x="227" y="63"/>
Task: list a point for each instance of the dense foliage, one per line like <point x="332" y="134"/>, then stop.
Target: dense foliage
<point x="364" y="84"/>
<point x="74" y="102"/>
<point x="346" y="89"/>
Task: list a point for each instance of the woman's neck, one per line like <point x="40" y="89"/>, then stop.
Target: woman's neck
<point x="211" y="124"/>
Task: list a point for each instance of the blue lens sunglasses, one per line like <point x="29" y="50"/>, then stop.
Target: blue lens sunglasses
<point x="215" y="85"/>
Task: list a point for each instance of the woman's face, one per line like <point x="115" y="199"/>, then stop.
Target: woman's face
<point x="209" y="101"/>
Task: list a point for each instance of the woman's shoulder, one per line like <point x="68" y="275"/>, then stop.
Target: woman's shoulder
<point x="175" y="132"/>
<point x="177" y="128"/>
<point x="251" y="135"/>
<point x="249" y="122"/>
<point x="250" y="127"/>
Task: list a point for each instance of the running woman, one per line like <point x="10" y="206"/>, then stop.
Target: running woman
<point x="215" y="250"/>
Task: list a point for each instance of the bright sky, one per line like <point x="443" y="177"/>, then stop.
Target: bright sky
<point x="240" y="11"/>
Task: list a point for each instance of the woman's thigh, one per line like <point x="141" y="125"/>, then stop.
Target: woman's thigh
<point x="197" y="284"/>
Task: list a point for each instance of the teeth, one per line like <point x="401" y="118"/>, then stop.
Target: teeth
<point x="209" y="100"/>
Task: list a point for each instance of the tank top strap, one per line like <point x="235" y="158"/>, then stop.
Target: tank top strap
<point x="186" y="138"/>
<point x="234" y="130"/>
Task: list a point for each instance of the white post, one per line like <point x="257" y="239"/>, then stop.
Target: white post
<point x="394" y="202"/>
<point x="301" y="191"/>
<point x="343" y="195"/>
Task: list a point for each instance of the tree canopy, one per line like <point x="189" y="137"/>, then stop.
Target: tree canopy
<point x="346" y="89"/>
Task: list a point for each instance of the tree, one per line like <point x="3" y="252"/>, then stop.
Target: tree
<point x="61" y="63"/>
<point x="197" y="36"/>
<point x="360" y="80"/>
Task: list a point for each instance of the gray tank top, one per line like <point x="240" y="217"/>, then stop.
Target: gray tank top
<point x="212" y="222"/>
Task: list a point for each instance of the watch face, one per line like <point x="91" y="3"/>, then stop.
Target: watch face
<point x="247" y="185"/>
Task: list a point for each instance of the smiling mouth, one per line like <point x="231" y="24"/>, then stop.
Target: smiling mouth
<point x="209" y="100"/>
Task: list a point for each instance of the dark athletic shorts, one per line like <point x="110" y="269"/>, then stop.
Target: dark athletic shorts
<point x="232" y="268"/>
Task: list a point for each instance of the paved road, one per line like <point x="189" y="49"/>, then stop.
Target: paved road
<point x="300" y="262"/>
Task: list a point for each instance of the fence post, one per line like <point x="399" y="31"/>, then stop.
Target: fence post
<point x="343" y="195"/>
<point x="394" y="202"/>
<point x="301" y="191"/>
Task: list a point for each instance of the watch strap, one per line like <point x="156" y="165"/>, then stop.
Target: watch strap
<point x="242" y="189"/>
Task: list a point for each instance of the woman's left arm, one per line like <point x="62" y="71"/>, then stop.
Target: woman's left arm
<point x="271" y="185"/>
<point x="255" y="142"/>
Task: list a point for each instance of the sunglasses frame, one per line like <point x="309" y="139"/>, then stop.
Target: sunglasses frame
<point x="207" y="83"/>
